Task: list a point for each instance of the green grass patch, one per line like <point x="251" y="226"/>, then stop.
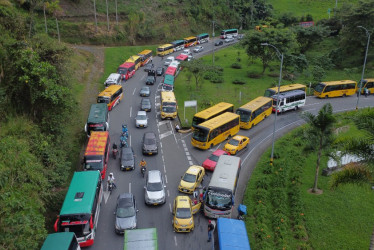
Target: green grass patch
<point x="282" y="213"/>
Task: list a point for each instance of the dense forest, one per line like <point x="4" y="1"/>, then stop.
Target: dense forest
<point x="39" y="147"/>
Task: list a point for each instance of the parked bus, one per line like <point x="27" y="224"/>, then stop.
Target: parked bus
<point x="168" y="105"/>
<point x="176" y="64"/>
<point x="146" y="56"/>
<point x="211" y="112"/>
<point x="190" y="41"/>
<point x="202" y="38"/>
<point x="335" y="88"/>
<point x="284" y="88"/>
<point x="165" y="49"/>
<point x="216" y="130"/>
<point x="81" y="208"/>
<point x="111" y="96"/>
<point x="219" y="196"/>
<point x="291" y="100"/>
<point x="96" y="155"/>
<point x="182" y="58"/>
<point x="98" y="118"/>
<point x="369" y="84"/>
<point x="254" y="111"/>
<point x="178" y="45"/>
<point x="171" y="71"/>
<point x="232" y="32"/>
<point x="127" y="70"/>
<point x="137" y="60"/>
<point x="61" y="241"/>
<point x="168" y="83"/>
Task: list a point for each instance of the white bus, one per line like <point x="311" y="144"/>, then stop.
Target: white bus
<point x="290" y="100"/>
<point x="219" y="196"/>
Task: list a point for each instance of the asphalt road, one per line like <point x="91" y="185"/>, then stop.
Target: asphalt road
<point x="175" y="155"/>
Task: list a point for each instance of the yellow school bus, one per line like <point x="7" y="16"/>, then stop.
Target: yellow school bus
<point x="211" y="112"/>
<point x="137" y="60"/>
<point x="190" y="41"/>
<point x="284" y="88"/>
<point x="165" y="49"/>
<point x="254" y="111"/>
<point x="369" y="85"/>
<point x="335" y="88"/>
<point x="146" y="56"/>
<point x="168" y="105"/>
<point x="216" y="130"/>
<point x="111" y="96"/>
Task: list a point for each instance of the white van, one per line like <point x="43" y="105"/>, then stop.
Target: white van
<point x="169" y="60"/>
<point x="112" y="79"/>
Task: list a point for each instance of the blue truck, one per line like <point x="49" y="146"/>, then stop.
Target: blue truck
<point x="232" y="234"/>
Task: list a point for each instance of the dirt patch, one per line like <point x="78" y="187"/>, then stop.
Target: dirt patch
<point x="317" y="192"/>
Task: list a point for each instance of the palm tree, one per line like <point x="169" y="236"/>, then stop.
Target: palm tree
<point x="319" y="134"/>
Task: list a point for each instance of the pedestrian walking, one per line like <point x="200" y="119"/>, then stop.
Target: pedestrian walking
<point x="366" y="92"/>
<point x="210" y="230"/>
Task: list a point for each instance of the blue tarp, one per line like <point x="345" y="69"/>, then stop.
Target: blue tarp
<point x="232" y="234"/>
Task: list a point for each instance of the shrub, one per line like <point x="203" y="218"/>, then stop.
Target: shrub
<point x="238" y="81"/>
<point x="254" y="75"/>
<point x="236" y="66"/>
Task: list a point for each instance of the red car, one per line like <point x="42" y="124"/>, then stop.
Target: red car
<point x="211" y="161"/>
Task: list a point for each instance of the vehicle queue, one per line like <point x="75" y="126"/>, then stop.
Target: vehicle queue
<point x="247" y="114"/>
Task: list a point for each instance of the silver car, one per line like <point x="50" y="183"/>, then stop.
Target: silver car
<point x="198" y="49"/>
<point x="145" y="91"/>
<point x="141" y="120"/>
<point x="154" y="189"/>
<point x="125" y="213"/>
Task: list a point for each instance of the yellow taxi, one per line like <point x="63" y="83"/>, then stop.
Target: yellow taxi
<point x="237" y="143"/>
<point x="183" y="211"/>
<point x="191" y="179"/>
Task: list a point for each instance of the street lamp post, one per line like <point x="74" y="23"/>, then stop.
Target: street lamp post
<point x="363" y="68"/>
<point x="280" y="56"/>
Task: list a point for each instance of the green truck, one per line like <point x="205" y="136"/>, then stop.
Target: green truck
<point x="144" y="239"/>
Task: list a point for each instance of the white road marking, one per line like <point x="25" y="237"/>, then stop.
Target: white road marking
<point x="157" y="104"/>
<point x="157" y="96"/>
<point x="170" y="207"/>
<point x="130" y="140"/>
<point x="130" y="187"/>
<point x="168" y="193"/>
<point x="133" y="93"/>
<point x="165" y="134"/>
<point x="186" y="135"/>
<point x="190" y="162"/>
<point x="189" y="158"/>
<point x="164" y="164"/>
<point x="166" y="179"/>
<point x="142" y="77"/>
<point x="106" y="196"/>
<point x="187" y="153"/>
<point x="175" y="240"/>
<point x="162" y="122"/>
<point x="130" y="111"/>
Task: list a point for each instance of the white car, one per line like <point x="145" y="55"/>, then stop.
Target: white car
<point x="198" y="49"/>
<point x="169" y="60"/>
<point x="229" y="39"/>
<point x="187" y="52"/>
<point x="141" y="120"/>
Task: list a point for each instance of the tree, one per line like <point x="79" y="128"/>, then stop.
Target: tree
<point x="197" y="69"/>
<point x="54" y="8"/>
<point x="319" y="134"/>
<point x="307" y="36"/>
<point x="283" y="39"/>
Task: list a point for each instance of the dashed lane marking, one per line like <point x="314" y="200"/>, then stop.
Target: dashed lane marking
<point x="165" y="134"/>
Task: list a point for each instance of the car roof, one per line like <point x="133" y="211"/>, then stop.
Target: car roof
<point x="149" y="135"/>
<point x="127" y="150"/>
<point x="170" y="57"/>
<point x="145" y="87"/>
<point x="154" y="176"/>
<point x="239" y="137"/>
<point x="125" y="195"/>
<point x="219" y="152"/>
<point x="183" y="201"/>
<point x="141" y="112"/>
<point x="193" y="169"/>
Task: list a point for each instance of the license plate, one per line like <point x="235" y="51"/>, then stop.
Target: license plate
<point x="154" y="204"/>
<point x="149" y="153"/>
<point x="185" y="190"/>
<point x="128" y="168"/>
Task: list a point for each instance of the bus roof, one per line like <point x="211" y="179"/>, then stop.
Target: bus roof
<point x="182" y="57"/>
<point x="133" y="58"/>
<point x="97" y="143"/>
<point x="110" y="90"/>
<point x="167" y="96"/>
<point x="338" y="82"/>
<point x="225" y="173"/>
<point x="206" y="113"/>
<point x="169" y="79"/>
<point x="288" y="87"/>
<point x="127" y="65"/>
<point x="190" y="37"/>
<point x="218" y="120"/>
<point x="230" y="30"/>
<point x="145" y="238"/>
<point x="58" y="241"/>
<point x="81" y="193"/>
<point x="232" y="234"/>
<point x="98" y="113"/>
<point x="369" y="79"/>
<point x="289" y="93"/>
<point x="145" y="52"/>
<point x="256" y="103"/>
<point x="170" y="71"/>
<point x="165" y="45"/>
<point x="202" y="34"/>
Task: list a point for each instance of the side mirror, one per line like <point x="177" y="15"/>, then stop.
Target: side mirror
<point x="145" y="187"/>
<point x="114" y="213"/>
<point x="137" y="210"/>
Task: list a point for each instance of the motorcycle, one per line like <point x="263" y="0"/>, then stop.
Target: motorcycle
<point x="114" y="152"/>
<point x="143" y="170"/>
<point x="123" y="140"/>
<point x="242" y="211"/>
<point x="110" y="186"/>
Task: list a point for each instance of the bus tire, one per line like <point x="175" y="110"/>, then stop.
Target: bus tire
<point x="344" y="95"/>
<point x="211" y="146"/>
<point x="296" y="107"/>
<point x="326" y="96"/>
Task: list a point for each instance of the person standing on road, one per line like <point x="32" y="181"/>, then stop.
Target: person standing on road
<point x="210" y="230"/>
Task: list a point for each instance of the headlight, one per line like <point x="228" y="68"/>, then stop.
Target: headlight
<point x="191" y="221"/>
<point x="122" y="166"/>
<point x="176" y="222"/>
<point x="117" y="227"/>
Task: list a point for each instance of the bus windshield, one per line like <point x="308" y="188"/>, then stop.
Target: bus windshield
<point x="197" y="120"/>
<point x="93" y="163"/>
<point x="169" y="109"/>
<point x="319" y="87"/>
<point x="269" y="92"/>
<point x="160" y="49"/>
<point x="219" y="199"/>
<point x="201" y="134"/>
<point x="122" y="71"/>
<point x="103" y="99"/>
<point x="245" y="115"/>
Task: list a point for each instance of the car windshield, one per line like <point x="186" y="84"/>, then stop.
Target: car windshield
<point x="150" y="78"/>
<point x="189" y="178"/>
<point x="124" y="212"/>
<point x="213" y="158"/>
<point x="144" y="89"/>
<point x="183" y="213"/>
<point x="146" y="102"/>
<point x="234" y="142"/>
<point x="141" y="117"/>
<point x="149" y="141"/>
<point x="154" y="186"/>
